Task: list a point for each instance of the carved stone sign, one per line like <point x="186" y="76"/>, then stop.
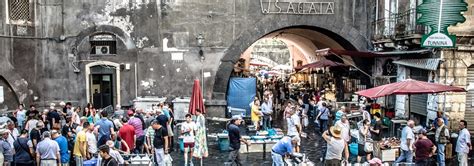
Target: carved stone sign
<point x="296" y="7"/>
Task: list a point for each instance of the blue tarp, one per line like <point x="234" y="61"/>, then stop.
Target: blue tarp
<point x="241" y="93"/>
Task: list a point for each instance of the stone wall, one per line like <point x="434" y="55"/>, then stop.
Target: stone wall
<point x="41" y="67"/>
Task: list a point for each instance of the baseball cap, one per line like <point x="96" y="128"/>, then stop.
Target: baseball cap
<point x="130" y="112"/>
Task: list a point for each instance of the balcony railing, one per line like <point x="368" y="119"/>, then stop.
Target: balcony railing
<point x="398" y="25"/>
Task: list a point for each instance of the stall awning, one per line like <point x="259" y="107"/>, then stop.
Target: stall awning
<point x="370" y="54"/>
<point x="425" y="63"/>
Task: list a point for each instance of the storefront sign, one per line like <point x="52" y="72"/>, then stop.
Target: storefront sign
<point x="294" y="7"/>
<point x="439" y="15"/>
<point x="438" y="40"/>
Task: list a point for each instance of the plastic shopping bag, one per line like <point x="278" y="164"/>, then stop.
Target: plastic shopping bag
<point x="305" y="122"/>
<point x="168" y="160"/>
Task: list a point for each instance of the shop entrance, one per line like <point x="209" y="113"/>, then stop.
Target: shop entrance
<point x="102" y="85"/>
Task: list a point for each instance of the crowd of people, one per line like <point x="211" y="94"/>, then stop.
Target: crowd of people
<point x="299" y="109"/>
<point x="74" y="136"/>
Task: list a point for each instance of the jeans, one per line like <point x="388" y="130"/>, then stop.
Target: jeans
<point x="79" y="161"/>
<point x="234" y="157"/>
<point x="441" y="156"/>
<point x="406" y="155"/>
<point x="277" y="159"/>
<point x="422" y="163"/>
<point x="266" y="122"/>
<point x="462" y="158"/>
<point x="159" y="155"/>
<point x="323" y="125"/>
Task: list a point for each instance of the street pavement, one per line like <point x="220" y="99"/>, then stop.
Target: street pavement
<point x="313" y="146"/>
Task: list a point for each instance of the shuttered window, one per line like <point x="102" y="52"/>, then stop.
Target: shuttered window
<point x="469" y="114"/>
<point x="418" y="103"/>
<point x="20" y="12"/>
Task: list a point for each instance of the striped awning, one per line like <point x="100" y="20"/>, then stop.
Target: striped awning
<point x="425" y="63"/>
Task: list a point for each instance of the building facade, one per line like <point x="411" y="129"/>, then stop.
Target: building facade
<point x="397" y="33"/>
<point x="110" y="52"/>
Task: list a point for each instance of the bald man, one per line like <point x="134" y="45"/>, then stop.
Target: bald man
<point x="408" y="137"/>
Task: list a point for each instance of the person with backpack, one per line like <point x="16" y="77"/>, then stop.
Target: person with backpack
<point x="441" y="138"/>
<point x="23" y="150"/>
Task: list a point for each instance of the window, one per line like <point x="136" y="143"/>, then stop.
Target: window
<point x="103" y="44"/>
<point x="20" y="12"/>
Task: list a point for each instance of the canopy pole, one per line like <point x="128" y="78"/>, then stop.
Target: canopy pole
<point x="409" y="108"/>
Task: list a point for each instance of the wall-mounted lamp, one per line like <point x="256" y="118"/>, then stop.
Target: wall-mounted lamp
<point x="200" y="43"/>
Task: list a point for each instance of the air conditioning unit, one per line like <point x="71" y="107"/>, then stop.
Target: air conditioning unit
<point x="102" y="50"/>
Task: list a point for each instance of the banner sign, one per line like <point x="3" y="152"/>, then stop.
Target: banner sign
<point x="439" y="15"/>
<point x="300" y="7"/>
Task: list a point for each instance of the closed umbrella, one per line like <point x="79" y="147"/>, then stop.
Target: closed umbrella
<point x="196" y="101"/>
<point x="408" y="87"/>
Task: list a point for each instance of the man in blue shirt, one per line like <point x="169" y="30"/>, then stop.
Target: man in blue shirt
<point x="106" y="129"/>
<point x="284" y="147"/>
<point x="439" y="114"/>
<point x="62" y="142"/>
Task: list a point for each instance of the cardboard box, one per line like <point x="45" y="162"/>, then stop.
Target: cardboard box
<point x="449" y="151"/>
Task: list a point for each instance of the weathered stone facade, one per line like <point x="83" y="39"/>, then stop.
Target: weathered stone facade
<point x="50" y="63"/>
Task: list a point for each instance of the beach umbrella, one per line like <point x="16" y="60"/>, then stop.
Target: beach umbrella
<point x="196" y="101"/>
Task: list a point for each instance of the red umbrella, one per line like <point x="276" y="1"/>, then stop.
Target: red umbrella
<point x="408" y="87"/>
<point x="196" y="101"/>
<point x="320" y="64"/>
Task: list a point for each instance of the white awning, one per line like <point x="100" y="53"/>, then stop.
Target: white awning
<point x="425" y="63"/>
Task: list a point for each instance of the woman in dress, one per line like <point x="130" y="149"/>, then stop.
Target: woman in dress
<point x="200" y="147"/>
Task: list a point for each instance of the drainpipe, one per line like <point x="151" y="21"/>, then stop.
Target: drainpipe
<point x="136" y="81"/>
<point x="445" y="82"/>
<point x="376" y="15"/>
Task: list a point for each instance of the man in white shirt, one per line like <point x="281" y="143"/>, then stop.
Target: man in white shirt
<point x="408" y="137"/>
<point x="91" y="142"/>
<point x="187" y="131"/>
<point x="13" y="133"/>
<point x="294" y="127"/>
<point x="345" y="127"/>
<point x="463" y="145"/>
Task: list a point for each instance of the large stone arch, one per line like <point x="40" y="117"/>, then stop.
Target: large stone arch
<point x="346" y="34"/>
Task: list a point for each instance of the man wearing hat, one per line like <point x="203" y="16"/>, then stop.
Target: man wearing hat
<point x="47" y="151"/>
<point x="335" y="146"/>
<point x="235" y="139"/>
<point x="6" y="147"/>
<point x="283" y="148"/>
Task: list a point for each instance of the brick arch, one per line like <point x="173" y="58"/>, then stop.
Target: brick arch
<point x="345" y="34"/>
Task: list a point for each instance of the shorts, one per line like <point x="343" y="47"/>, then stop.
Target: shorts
<point x="189" y="145"/>
<point x="361" y="150"/>
<point x="170" y="130"/>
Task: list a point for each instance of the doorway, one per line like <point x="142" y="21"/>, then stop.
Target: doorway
<point x="102" y="85"/>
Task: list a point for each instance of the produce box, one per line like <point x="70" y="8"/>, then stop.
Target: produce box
<point x="385" y="154"/>
<point x="255" y="147"/>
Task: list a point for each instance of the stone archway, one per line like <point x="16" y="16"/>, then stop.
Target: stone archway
<point x="345" y="34"/>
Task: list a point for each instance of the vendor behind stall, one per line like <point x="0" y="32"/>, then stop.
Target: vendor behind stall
<point x="283" y="148"/>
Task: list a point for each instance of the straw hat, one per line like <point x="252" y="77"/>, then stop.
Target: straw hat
<point x="3" y="131"/>
<point x="336" y="131"/>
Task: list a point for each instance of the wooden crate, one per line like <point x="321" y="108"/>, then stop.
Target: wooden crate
<point x="385" y="154"/>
